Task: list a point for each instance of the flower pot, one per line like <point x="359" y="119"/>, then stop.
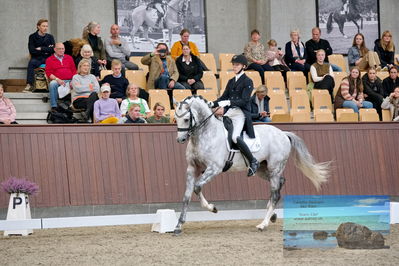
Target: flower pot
<point x="18" y="209"/>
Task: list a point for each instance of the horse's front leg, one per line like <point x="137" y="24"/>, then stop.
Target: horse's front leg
<point x="186" y="199"/>
<point x="206" y="177"/>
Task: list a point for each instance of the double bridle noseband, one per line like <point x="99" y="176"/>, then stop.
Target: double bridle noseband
<point x="193" y="127"/>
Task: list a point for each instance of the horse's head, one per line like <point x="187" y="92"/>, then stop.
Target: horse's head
<point x="191" y="114"/>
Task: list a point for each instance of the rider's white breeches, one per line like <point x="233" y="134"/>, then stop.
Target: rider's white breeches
<point x="238" y="118"/>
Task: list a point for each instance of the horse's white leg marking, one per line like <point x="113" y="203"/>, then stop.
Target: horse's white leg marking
<point x="205" y="204"/>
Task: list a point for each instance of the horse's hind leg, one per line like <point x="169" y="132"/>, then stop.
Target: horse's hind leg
<point x="276" y="183"/>
<point x="186" y="199"/>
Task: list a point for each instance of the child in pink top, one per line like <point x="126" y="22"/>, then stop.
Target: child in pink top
<point x="7" y="109"/>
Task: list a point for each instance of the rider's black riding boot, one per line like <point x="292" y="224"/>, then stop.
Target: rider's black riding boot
<point x="253" y="163"/>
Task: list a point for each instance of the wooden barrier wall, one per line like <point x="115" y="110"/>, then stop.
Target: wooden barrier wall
<point x="129" y="164"/>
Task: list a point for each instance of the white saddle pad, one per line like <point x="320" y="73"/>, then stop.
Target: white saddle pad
<point x="253" y="144"/>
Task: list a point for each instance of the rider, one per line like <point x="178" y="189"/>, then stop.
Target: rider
<point x="345" y="7"/>
<point x="236" y="97"/>
<point x="158" y="5"/>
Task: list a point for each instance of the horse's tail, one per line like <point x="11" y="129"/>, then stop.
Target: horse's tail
<point x="329" y="23"/>
<point x="317" y="172"/>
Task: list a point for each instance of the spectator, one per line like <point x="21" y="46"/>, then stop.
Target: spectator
<point x="275" y="57"/>
<point x="322" y="74"/>
<point x="85" y="88"/>
<point x="190" y="70"/>
<point x="117" y="48"/>
<point x="385" y="50"/>
<point x="391" y="82"/>
<point x="163" y="72"/>
<point x="177" y="48"/>
<point x="360" y="56"/>
<point x="315" y="44"/>
<point x="90" y="34"/>
<point x="106" y="110"/>
<point x="7" y="109"/>
<point x="255" y="52"/>
<point x="134" y="116"/>
<point x="41" y="46"/>
<point x="132" y="93"/>
<point x="87" y="53"/>
<point x="260" y="105"/>
<point x="117" y="82"/>
<point x="373" y="90"/>
<point x="158" y="116"/>
<point x="391" y="103"/>
<point x="60" y="69"/>
<point x="350" y="93"/>
<point x="295" y="54"/>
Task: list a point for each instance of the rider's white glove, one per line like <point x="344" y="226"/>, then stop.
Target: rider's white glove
<point x="224" y="103"/>
<point x="210" y="104"/>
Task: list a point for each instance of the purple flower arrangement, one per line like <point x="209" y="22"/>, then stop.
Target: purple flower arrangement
<point x="19" y="185"/>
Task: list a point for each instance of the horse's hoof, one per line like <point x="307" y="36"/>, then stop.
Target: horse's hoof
<point x="214" y="210"/>
<point x="346" y="37"/>
<point x="177" y="232"/>
<point x="260" y="228"/>
<point x="273" y="219"/>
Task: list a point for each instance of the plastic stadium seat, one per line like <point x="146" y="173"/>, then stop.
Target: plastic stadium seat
<point x="300" y="102"/>
<point x="346" y="115"/>
<point x="159" y="96"/>
<point x="104" y="73"/>
<point x="386" y="115"/>
<point x="137" y="77"/>
<point x="280" y="117"/>
<point x="137" y="61"/>
<point x="278" y="102"/>
<point x="275" y="90"/>
<point x="362" y="73"/>
<point x="296" y="83"/>
<point x="368" y="114"/>
<point x="209" y="61"/>
<point x="338" y="77"/>
<point x="291" y="74"/>
<point x="224" y="77"/>
<point x="323" y="115"/>
<point x="338" y="59"/>
<point x="322" y="101"/>
<point x="383" y="74"/>
<point x="180" y="95"/>
<point x="210" y="81"/>
<point x="210" y="95"/>
<point x="225" y="62"/>
<point x="300" y="116"/>
<point x="274" y="82"/>
<point x="254" y="75"/>
<point x="271" y="74"/>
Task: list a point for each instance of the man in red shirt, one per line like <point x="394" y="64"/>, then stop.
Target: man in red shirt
<point x="60" y="69"/>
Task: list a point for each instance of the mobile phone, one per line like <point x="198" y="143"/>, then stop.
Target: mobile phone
<point x="279" y="48"/>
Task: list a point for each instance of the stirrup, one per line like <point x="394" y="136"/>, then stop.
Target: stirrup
<point x="252" y="171"/>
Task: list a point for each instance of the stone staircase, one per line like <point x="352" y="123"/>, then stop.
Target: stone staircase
<point x="30" y="107"/>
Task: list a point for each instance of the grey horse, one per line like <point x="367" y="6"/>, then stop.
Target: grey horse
<point x="206" y="155"/>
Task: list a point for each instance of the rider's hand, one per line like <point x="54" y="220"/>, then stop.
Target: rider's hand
<point x="224" y="103"/>
<point x="210" y="104"/>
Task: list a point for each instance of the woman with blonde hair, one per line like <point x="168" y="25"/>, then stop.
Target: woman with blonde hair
<point x="360" y="56"/>
<point x="87" y="53"/>
<point x="350" y="93"/>
<point x="385" y="49"/>
<point x="260" y="105"/>
<point x="90" y="34"/>
<point x="7" y="109"/>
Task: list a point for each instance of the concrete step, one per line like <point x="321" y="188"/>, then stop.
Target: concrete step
<point x="32" y="107"/>
<point x="31" y="116"/>
<point x="28" y="101"/>
<point x="27" y="95"/>
<point x="31" y="122"/>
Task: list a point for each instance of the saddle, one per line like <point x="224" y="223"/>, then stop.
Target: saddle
<point x="253" y="144"/>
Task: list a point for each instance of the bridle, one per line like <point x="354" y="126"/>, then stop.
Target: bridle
<point x="193" y="126"/>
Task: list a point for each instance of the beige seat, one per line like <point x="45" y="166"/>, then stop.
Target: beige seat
<point x="137" y="77"/>
<point x="383" y="74"/>
<point x="346" y="115"/>
<point x="180" y="95"/>
<point x="137" y="61"/>
<point x="368" y="114"/>
<point x="300" y="102"/>
<point x="297" y="83"/>
<point x="322" y="101"/>
<point x="209" y="80"/>
<point x="291" y="74"/>
<point x="278" y="104"/>
<point x="275" y="82"/>
<point x="104" y="73"/>
<point x="225" y="62"/>
<point x="338" y="59"/>
<point x="160" y="96"/>
<point x="210" y="95"/>
<point x="300" y="116"/>
<point x="281" y="117"/>
<point x="338" y="77"/>
<point x="323" y="115"/>
<point x="254" y="75"/>
<point x="224" y="77"/>
<point x="270" y="74"/>
<point x="386" y="115"/>
<point x="209" y="61"/>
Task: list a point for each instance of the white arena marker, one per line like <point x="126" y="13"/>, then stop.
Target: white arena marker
<point x="19" y="209"/>
<point x="12" y="225"/>
<point x="394" y="213"/>
<point x="166" y="221"/>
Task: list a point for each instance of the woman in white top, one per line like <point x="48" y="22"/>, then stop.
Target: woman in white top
<point x="132" y="93"/>
<point x="322" y="73"/>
